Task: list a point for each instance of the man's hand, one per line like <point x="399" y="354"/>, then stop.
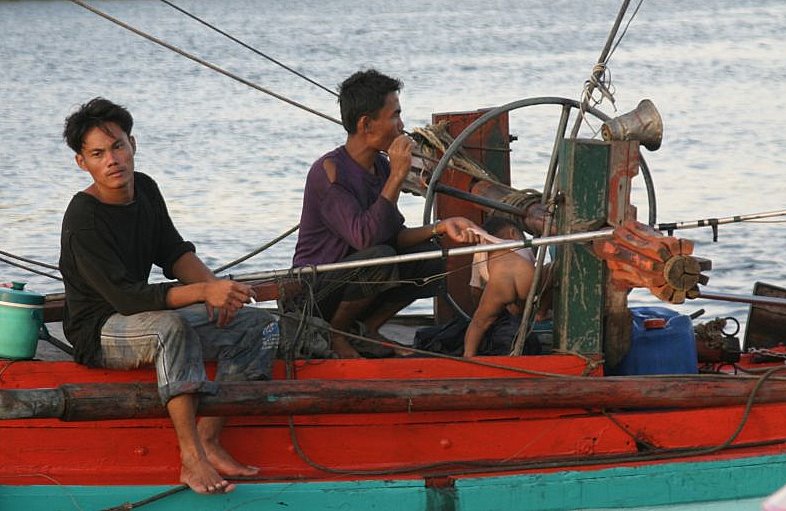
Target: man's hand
<point x="228" y="297"/>
<point x="400" y="153"/>
<point x="457" y="229"/>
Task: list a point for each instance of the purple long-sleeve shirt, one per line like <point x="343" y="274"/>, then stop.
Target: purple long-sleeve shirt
<point x="347" y="215"/>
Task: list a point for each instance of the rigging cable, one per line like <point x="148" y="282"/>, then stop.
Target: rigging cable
<point x="624" y="30"/>
<point x="243" y="44"/>
<point x="31" y="261"/>
<point x="31" y="270"/>
<point x="599" y="70"/>
<point x="203" y="62"/>
<point x="257" y="250"/>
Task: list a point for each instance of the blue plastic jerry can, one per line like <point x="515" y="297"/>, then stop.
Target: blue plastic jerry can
<point x="662" y="342"/>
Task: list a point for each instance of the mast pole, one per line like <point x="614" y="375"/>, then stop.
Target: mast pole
<point x="596" y="71"/>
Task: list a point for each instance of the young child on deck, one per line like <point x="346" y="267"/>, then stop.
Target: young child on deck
<point x="500" y="284"/>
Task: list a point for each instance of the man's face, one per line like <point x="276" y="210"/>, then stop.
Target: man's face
<point x="387" y="125"/>
<point x="108" y="155"/>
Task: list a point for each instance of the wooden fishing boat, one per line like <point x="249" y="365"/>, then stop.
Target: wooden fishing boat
<point x="545" y="432"/>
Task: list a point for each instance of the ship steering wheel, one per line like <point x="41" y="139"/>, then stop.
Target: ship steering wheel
<point x="567" y="105"/>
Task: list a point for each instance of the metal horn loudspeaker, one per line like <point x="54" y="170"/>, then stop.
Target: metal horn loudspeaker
<point x="642" y="123"/>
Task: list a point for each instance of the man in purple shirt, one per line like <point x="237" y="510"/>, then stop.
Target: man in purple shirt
<point x="350" y="212"/>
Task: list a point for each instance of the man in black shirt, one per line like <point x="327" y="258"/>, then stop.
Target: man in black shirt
<point x="112" y="234"/>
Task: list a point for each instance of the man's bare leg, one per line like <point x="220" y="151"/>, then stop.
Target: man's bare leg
<point x="383" y="314"/>
<point x="196" y="470"/>
<point x="210" y="434"/>
<point x="345" y="315"/>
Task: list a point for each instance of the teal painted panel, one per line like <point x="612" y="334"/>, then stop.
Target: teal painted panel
<point x="578" y="298"/>
<point x="727" y="485"/>
<point x="589" y="181"/>
<point x="366" y="495"/>
<point x="724" y="505"/>
<point x="677" y="485"/>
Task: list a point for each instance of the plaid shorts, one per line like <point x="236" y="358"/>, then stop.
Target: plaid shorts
<point x="178" y="342"/>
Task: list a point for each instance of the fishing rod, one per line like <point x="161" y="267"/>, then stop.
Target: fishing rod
<point x="670" y="227"/>
<point x="203" y="62"/>
<point x="432" y="254"/>
<point x="751" y="299"/>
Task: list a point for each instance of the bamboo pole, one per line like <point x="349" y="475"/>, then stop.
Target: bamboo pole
<point x="103" y="401"/>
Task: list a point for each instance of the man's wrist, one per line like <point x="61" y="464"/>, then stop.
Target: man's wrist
<point x="434" y="231"/>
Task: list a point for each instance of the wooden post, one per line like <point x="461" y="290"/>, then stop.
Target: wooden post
<point x="590" y="314"/>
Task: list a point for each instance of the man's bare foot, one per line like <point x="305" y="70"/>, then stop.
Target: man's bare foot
<point x="391" y="346"/>
<point x="201" y="477"/>
<point x="372" y="349"/>
<point x="224" y="463"/>
<point x="342" y="348"/>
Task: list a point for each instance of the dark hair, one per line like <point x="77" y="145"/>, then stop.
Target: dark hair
<point x="96" y="112"/>
<point x="495" y="224"/>
<point x="364" y="93"/>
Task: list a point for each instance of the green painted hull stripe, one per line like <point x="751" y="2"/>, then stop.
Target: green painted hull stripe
<point x="613" y="488"/>
<point x="620" y="487"/>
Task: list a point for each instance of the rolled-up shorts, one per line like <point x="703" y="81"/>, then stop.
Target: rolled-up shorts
<point x="178" y="342"/>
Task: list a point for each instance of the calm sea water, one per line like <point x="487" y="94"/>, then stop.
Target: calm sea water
<point x="231" y="161"/>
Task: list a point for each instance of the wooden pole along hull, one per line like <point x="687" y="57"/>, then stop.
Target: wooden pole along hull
<point x="102" y="401"/>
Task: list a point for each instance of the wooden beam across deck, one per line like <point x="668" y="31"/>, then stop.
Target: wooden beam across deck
<point x="102" y="401"/>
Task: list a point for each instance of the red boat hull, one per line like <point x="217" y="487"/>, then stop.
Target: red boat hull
<point x="355" y="446"/>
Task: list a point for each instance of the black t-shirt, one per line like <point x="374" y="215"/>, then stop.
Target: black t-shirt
<point x="106" y="254"/>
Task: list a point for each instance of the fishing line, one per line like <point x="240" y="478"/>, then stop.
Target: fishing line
<point x="203" y="62"/>
<point x="238" y="41"/>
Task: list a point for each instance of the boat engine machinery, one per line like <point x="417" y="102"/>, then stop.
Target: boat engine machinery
<point x="714" y="344"/>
